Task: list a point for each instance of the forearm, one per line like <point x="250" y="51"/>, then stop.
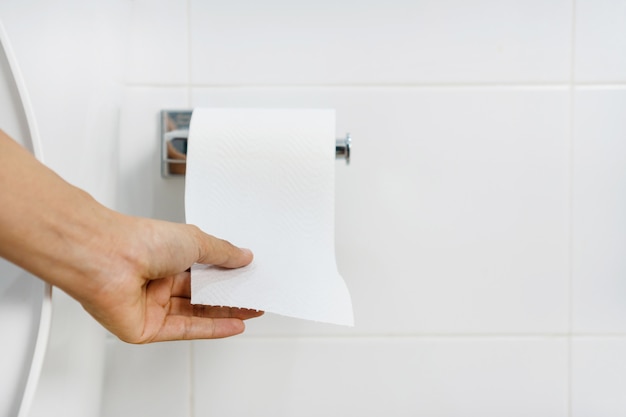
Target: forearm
<point x="129" y="273"/>
<point x="48" y="226"/>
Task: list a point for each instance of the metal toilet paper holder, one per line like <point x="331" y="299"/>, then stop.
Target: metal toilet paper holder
<point x="175" y="132"/>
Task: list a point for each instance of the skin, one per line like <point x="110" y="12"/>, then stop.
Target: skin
<point x="130" y="273"/>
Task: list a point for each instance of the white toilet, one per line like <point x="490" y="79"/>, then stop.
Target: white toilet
<point x="25" y="303"/>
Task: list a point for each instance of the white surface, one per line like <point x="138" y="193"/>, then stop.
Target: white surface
<point x="24" y="317"/>
<point x="376" y="377"/>
<point x="599" y="377"/>
<point x="599" y="211"/>
<point x="147" y="380"/>
<point x="24" y="300"/>
<point x="395" y="42"/>
<point x="158" y="43"/>
<point x="72" y="375"/>
<point x="265" y="179"/>
<point x="73" y="74"/>
<point x="600" y="41"/>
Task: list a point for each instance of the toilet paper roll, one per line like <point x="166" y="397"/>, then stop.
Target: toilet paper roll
<point x="264" y="179"/>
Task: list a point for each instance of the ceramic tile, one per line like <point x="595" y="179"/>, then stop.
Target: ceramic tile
<point x="72" y="69"/>
<point x="600" y="41"/>
<point x="71" y="378"/>
<point x="374" y="377"/>
<point x="453" y="214"/>
<point x="598" y="377"/>
<point x="158" y="43"/>
<point x="398" y="42"/>
<point x="141" y="190"/>
<point x="147" y="380"/>
<point x="599" y="204"/>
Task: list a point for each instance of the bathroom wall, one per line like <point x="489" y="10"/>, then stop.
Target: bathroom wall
<point x="72" y="55"/>
<point x="480" y="226"/>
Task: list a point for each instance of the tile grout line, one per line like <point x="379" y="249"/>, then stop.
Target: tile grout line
<point x="189" y="60"/>
<point x="448" y="336"/>
<point x="572" y="90"/>
<point x="192" y="411"/>
<point x="417" y="86"/>
<point x="466" y="84"/>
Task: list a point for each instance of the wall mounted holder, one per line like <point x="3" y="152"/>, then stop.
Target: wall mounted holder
<point x="175" y="132"/>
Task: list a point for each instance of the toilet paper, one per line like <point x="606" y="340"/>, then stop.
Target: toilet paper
<point x="264" y="179"/>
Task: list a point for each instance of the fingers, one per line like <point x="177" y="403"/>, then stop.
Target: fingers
<point x="181" y="286"/>
<point x="219" y="252"/>
<point x="182" y="307"/>
<point x="173" y="248"/>
<point x="179" y="294"/>
<point x="225" y="312"/>
<point x="189" y="328"/>
<point x="188" y="322"/>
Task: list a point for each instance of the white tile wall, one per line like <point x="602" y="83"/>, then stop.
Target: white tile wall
<point x="364" y="42"/>
<point x="599" y="377"/>
<point x="147" y="380"/>
<point x="374" y="377"/>
<point x="600" y="41"/>
<point x="141" y="190"/>
<point x="489" y="218"/>
<point x="464" y="197"/>
<point x="71" y="382"/>
<point x="599" y="207"/>
<point x="71" y="54"/>
<point x="158" y="43"/>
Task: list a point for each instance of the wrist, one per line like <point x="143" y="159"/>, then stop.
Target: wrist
<point x="49" y="227"/>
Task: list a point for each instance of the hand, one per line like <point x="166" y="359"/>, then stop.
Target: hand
<point x="129" y="273"/>
<point x="148" y="298"/>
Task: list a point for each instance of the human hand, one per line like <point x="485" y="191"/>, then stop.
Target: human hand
<point x="130" y="273"/>
<point x="147" y="297"/>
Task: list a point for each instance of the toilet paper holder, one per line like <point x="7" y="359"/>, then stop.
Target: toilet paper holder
<point x="174" y="134"/>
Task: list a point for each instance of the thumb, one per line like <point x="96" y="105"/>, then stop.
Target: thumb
<point x="219" y="252"/>
<point x="175" y="247"/>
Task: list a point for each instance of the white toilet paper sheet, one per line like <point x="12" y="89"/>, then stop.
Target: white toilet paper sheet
<point x="264" y="179"/>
